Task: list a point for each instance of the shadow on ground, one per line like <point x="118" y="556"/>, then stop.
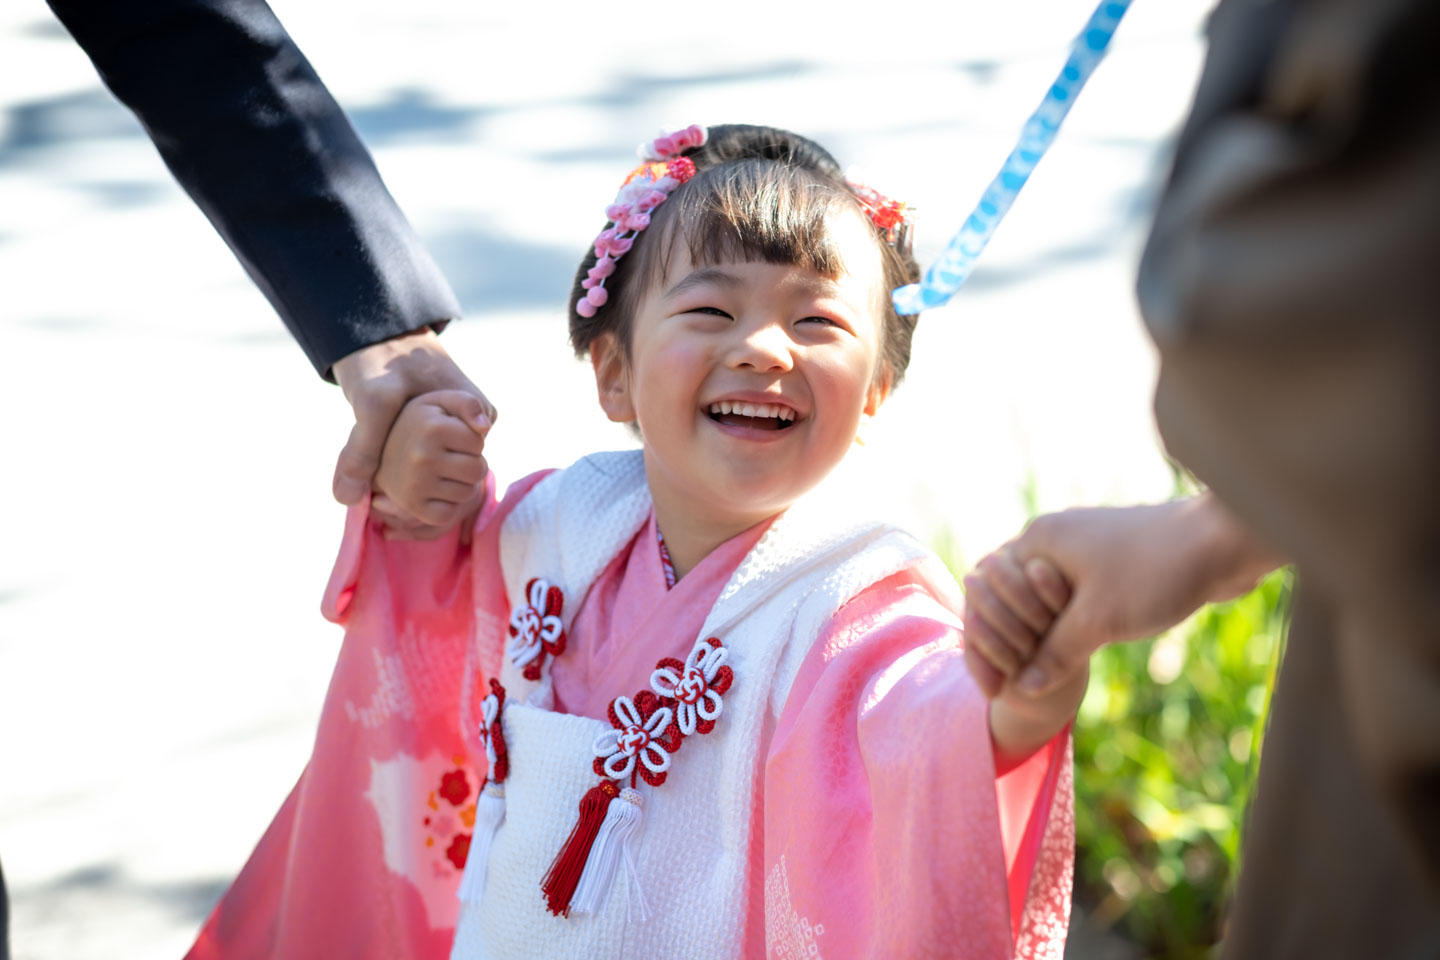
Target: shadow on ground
<point x="94" y="893"/>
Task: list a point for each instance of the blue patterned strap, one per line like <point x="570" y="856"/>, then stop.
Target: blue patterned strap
<point x="954" y="265"/>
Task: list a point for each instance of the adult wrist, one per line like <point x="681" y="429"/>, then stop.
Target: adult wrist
<point x="355" y="366"/>
<point x="351" y="362"/>
<point x="1235" y="559"/>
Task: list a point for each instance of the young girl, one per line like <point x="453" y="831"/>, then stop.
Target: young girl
<point x="684" y="701"/>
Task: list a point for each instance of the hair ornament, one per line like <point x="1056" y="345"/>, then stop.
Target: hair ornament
<point x="669" y="145"/>
<point x="646" y="187"/>
<point x="889" y="215"/>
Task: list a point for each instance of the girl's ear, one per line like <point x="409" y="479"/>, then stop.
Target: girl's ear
<point x="612" y="378"/>
<point x="879" y="391"/>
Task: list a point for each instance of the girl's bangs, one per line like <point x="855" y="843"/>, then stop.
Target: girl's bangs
<point x="751" y="210"/>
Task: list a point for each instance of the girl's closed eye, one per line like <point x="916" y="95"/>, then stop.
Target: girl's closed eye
<point x="823" y="324"/>
<point x="705" y="318"/>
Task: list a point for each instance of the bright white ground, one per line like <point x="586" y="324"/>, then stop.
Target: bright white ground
<point x="165" y="451"/>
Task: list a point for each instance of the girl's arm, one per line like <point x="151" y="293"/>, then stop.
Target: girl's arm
<point x="1020" y="725"/>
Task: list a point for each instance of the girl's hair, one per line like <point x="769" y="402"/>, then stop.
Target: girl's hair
<point x="759" y="193"/>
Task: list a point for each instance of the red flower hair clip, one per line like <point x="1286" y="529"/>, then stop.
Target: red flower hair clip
<point x="889" y="215"/>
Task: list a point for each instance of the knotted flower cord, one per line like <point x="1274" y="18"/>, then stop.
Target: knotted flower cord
<point x="648" y="729"/>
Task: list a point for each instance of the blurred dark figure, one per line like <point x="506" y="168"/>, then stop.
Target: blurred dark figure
<point x="1292" y="284"/>
<point x="4" y="919"/>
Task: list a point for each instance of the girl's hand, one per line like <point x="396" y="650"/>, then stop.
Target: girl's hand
<point x="1008" y="610"/>
<point x="433" y="461"/>
<point x="378" y="381"/>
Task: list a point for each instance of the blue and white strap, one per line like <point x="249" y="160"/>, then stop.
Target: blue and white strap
<point x="953" y="267"/>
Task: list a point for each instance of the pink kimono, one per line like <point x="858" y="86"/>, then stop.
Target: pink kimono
<point x="886" y="830"/>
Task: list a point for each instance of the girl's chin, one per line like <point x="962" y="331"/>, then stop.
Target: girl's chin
<point x="750" y="499"/>
<point x="735" y="490"/>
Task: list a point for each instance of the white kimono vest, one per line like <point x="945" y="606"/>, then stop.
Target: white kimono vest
<point x="694" y="849"/>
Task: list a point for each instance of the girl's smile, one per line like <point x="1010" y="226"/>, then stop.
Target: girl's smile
<point x="754" y="416"/>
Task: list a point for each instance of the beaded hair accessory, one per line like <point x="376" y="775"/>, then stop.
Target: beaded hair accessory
<point x="647" y="186"/>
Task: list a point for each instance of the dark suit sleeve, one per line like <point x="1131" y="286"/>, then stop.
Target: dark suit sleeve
<point x="253" y="136"/>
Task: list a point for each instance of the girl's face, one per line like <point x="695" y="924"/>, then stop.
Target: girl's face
<point x="748" y="379"/>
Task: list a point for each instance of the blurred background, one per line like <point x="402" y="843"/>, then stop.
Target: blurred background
<point x="167" y="451"/>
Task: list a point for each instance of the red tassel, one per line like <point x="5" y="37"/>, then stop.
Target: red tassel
<point x="564" y="875"/>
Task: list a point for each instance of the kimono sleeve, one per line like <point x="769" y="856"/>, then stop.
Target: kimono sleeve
<point x="887" y="830"/>
<point x="365" y="856"/>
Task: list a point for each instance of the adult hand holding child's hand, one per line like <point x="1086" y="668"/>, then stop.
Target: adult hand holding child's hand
<point x="379" y="380"/>
<point x="1076" y="580"/>
<point x="433" y="463"/>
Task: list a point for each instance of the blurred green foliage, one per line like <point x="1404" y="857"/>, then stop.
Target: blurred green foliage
<point x="1167" y="743"/>
<point x="1166" y="746"/>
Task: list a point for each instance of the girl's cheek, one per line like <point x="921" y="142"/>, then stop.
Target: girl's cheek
<point x="677" y="354"/>
<point x="851" y="374"/>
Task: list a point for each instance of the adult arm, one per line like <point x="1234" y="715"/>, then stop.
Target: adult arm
<point x="252" y="135"/>
<point x="1089" y="576"/>
<point x="255" y="139"/>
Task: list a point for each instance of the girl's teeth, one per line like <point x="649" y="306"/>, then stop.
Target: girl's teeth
<point x="723" y="407"/>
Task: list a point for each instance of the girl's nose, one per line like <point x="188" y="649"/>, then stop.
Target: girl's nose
<point x="765" y="350"/>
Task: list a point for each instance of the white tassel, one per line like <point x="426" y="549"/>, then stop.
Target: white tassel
<point x="637" y="909"/>
<point x="489" y="813"/>
<point x="612" y="846"/>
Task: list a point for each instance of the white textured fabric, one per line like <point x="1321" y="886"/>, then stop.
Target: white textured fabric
<point x="1047" y="902"/>
<point x="693" y="851"/>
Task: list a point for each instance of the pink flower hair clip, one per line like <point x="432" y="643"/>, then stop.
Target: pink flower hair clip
<point x="647" y="186"/>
